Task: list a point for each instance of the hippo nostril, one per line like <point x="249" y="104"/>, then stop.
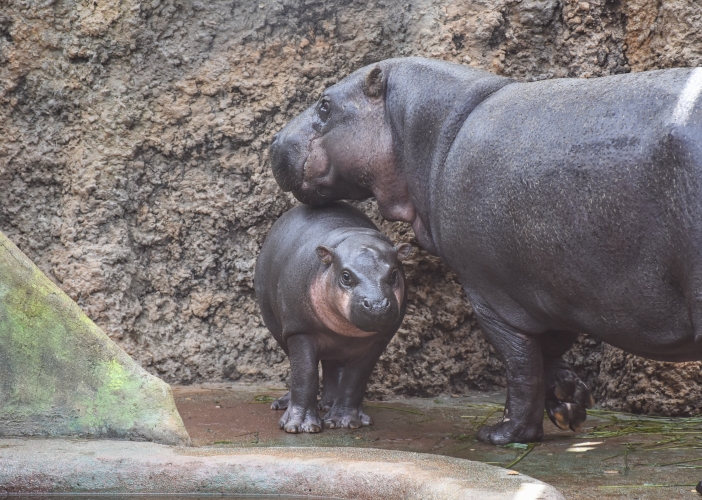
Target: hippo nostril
<point x="366" y="303"/>
<point x="385" y="303"/>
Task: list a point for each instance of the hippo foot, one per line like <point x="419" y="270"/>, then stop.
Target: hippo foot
<point x="296" y="420"/>
<point x="282" y="402"/>
<point x="346" y="418"/>
<point x="510" y="431"/>
<point x="365" y="418"/>
<point x="567" y="398"/>
<point x="325" y="404"/>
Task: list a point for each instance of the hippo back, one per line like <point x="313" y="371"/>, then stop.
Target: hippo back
<point x="576" y="193"/>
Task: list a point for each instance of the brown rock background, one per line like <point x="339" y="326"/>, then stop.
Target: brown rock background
<point x="133" y="164"/>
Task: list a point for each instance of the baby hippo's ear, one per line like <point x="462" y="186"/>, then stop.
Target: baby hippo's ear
<point x="374" y="84"/>
<point x="325" y="254"/>
<point x="404" y="251"/>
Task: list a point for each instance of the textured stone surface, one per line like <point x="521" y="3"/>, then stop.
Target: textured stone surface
<point x="35" y="466"/>
<point x="60" y="375"/>
<point x="133" y="163"/>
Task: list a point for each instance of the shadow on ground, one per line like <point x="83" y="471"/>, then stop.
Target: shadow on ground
<point x="614" y="456"/>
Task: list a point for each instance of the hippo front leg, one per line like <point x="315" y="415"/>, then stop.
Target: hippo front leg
<point x="347" y="411"/>
<point x="301" y="414"/>
<point x="521" y="354"/>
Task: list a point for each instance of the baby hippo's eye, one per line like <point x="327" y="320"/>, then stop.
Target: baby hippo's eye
<point x="394" y="277"/>
<point x="345" y="278"/>
<point x="323" y="109"/>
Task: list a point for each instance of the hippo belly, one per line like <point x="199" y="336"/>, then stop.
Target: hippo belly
<point x="575" y="205"/>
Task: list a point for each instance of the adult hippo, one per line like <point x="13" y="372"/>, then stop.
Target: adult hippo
<point x="564" y="206"/>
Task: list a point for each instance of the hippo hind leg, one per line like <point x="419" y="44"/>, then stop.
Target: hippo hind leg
<point x="332" y="372"/>
<point x="347" y="411"/>
<point x="567" y="397"/>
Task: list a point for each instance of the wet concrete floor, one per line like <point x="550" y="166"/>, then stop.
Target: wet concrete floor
<point x="614" y="455"/>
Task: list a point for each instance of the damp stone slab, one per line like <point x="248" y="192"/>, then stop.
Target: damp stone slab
<point x="38" y="466"/>
<point x="60" y="375"/>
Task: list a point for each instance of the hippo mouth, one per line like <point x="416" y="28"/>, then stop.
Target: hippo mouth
<point x="315" y="167"/>
<point x="372" y="323"/>
<point x="301" y="169"/>
<point x="288" y="172"/>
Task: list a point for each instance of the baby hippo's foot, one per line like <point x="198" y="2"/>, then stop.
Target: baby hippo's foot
<point x="325" y="404"/>
<point x="344" y="417"/>
<point x="282" y="402"/>
<point x="297" y="419"/>
<point x="567" y="397"/>
<point x="511" y="431"/>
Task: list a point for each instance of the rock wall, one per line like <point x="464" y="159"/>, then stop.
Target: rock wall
<point x="134" y="169"/>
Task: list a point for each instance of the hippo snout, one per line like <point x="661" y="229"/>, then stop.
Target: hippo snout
<point x="376" y="305"/>
<point x="370" y="313"/>
<point x="289" y="150"/>
<point x="286" y="163"/>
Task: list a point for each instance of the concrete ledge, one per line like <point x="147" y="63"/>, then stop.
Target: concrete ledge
<point x="86" y="466"/>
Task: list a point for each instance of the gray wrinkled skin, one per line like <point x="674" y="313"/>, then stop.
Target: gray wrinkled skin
<point x="322" y="263"/>
<point x="564" y="207"/>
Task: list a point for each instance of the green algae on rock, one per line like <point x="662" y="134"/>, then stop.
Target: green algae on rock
<point x="60" y="375"/>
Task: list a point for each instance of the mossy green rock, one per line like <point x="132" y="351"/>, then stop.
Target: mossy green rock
<point x="60" y="375"/>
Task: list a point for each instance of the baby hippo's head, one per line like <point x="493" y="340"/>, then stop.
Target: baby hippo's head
<point x="365" y="281"/>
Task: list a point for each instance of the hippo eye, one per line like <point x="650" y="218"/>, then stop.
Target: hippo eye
<point x="345" y="278"/>
<point x="324" y="109"/>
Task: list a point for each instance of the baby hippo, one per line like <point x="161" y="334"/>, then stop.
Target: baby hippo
<point x="331" y="287"/>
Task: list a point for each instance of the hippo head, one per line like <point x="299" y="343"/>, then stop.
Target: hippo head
<point x="342" y="147"/>
<point x="383" y="131"/>
<point x="362" y="285"/>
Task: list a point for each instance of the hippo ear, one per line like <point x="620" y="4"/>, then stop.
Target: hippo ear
<point x="404" y="251"/>
<point x="374" y="84"/>
<point x="325" y="254"/>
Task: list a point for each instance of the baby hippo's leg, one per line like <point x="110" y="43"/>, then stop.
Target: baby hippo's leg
<point x="301" y="415"/>
<point x="331" y="378"/>
<point x="347" y="410"/>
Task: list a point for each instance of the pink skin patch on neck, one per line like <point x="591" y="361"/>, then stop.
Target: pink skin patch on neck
<point x="333" y="306"/>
